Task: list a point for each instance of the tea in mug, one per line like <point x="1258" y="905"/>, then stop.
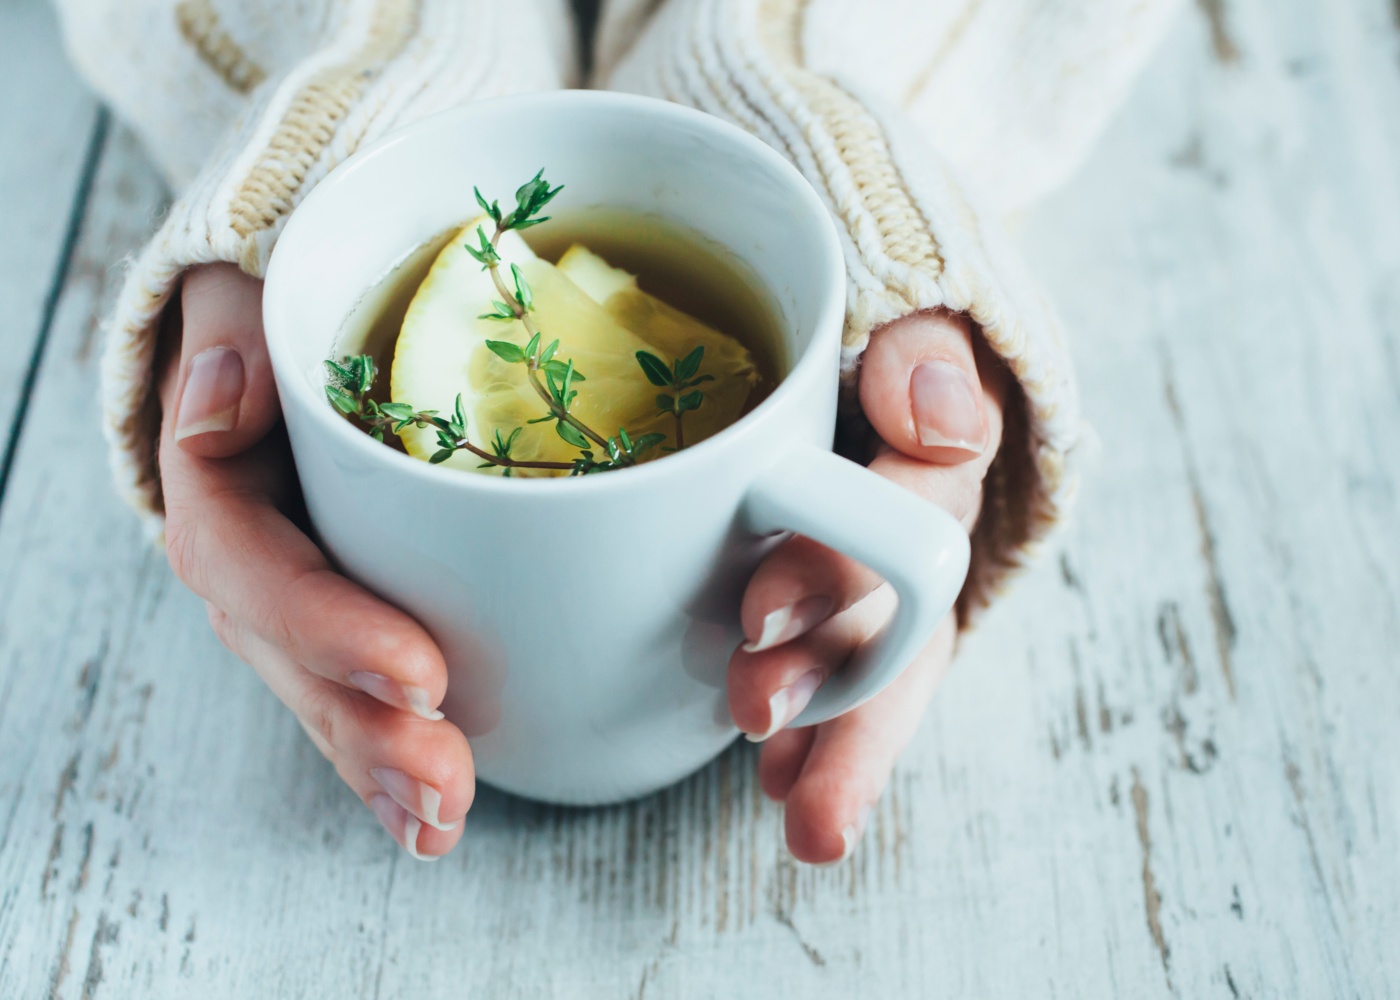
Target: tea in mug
<point x="592" y="340"/>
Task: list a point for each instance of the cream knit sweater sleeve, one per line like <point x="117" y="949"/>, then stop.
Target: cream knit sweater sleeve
<point x="246" y="104"/>
<point x="881" y="104"/>
<point x="884" y="105"/>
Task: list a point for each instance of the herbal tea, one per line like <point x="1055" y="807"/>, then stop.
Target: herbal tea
<point x="600" y="339"/>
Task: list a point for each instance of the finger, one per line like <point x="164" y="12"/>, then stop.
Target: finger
<point x="769" y="688"/>
<point x="931" y="390"/>
<point x="803" y="583"/>
<point x="781" y="761"/>
<point x="225" y="399"/>
<point x="424" y="769"/>
<point x="229" y="543"/>
<point x="956" y="489"/>
<point x="799" y="585"/>
<point x="851" y="757"/>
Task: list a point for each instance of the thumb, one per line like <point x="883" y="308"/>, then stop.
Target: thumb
<point x="226" y="400"/>
<point x="921" y="390"/>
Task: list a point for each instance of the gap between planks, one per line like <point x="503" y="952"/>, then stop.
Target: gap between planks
<point x="77" y="213"/>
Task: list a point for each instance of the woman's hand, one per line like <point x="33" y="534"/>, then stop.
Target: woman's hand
<point x="933" y="393"/>
<point x="362" y="677"/>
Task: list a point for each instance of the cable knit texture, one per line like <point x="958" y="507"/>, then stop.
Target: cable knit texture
<point x="286" y="113"/>
<point x="246" y="104"/>
<point x="912" y="240"/>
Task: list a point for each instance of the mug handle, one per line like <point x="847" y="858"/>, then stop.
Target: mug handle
<point x="920" y="549"/>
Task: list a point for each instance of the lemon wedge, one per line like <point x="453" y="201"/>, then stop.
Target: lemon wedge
<point x="600" y="324"/>
<point x="672" y="334"/>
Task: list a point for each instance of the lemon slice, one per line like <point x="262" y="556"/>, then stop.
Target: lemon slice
<point x="441" y="351"/>
<point x="672" y="334"/>
<point x="598" y="279"/>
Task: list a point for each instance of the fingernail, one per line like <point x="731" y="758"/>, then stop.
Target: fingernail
<point x="946" y="414"/>
<point x="788" y="623"/>
<point x="402" y="825"/>
<point x="212" y="394"/>
<point x="418" y="797"/>
<point x="390" y="692"/>
<point x="787" y="702"/>
<point x="850" y="836"/>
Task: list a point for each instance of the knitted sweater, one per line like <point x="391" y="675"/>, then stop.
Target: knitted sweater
<point x="919" y="122"/>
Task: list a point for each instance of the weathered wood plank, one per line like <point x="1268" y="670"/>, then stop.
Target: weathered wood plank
<point x="1165" y="767"/>
<point x="1233" y="567"/>
<point x="49" y="128"/>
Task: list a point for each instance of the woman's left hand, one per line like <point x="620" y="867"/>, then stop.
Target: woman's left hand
<point x="934" y="394"/>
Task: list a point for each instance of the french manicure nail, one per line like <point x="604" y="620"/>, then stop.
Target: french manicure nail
<point x="789" y="622"/>
<point x="786" y="703"/>
<point x="850" y="836"/>
<point x="418" y="797"/>
<point x="406" y="696"/>
<point x="212" y="395"/>
<point x="946" y="414"/>
<point x="402" y="825"/>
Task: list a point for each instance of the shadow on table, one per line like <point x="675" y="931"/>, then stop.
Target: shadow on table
<point x="639" y="856"/>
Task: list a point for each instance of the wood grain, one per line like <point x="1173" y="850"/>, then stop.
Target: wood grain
<point x="1165" y="766"/>
<point x="50" y="133"/>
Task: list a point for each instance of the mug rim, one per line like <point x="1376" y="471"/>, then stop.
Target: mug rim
<point x="332" y="423"/>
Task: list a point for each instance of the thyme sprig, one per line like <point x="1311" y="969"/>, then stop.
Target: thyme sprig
<point x="348" y="388"/>
<point x="518" y="303"/>
<point x="680" y="376"/>
<point x="552" y="378"/>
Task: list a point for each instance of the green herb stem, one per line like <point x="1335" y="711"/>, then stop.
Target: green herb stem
<point x="351" y="379"/>
<point x="511" y="463"/>
<point x="532" y="364"/>
<point x="390" y="425"/>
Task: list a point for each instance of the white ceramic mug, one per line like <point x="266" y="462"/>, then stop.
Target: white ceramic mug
<point x="587" y="623"/>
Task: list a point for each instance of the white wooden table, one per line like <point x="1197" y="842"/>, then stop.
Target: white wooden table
<point x="1169" y="765"/>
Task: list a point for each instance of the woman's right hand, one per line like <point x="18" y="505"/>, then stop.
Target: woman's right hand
<point x="362" y="677"/>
